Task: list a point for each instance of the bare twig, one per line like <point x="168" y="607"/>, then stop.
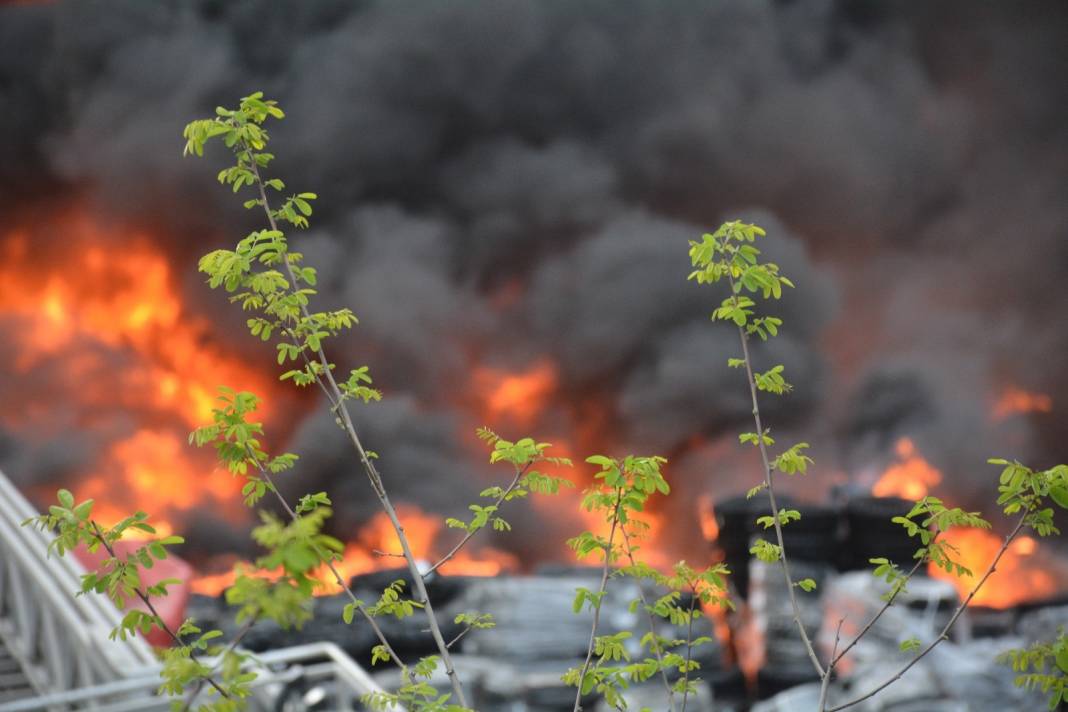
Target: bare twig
<point x="897" y="589"/>
<point x="826" y="681"/>
<point x="338" y="405"/>
<point x="459" y="635"/>
<point x="600" y="598"/>
<point x="769" y="486"/>
<point x="152" y="609"/>
<point x="944" y="634"/>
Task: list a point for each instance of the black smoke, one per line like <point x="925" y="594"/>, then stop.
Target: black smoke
<point x="908" y="160"/>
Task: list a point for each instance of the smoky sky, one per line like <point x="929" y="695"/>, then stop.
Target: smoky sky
<point x="505" y="181"/>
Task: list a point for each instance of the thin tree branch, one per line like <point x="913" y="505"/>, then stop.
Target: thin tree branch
<point x="338" y="579"/>
<point x="504" y="495"/>
<point x="600" y="599"/>
<point x="459" y="635"/>
<point x="229" y="649"/>
<point x="886" y="606"/>
<point x="689" y="649"/>
<point x="944" y="634"/>
<point x="825" y="682"/>
<point x="652" y="625"/>
<point x="769" y="486"/>
<point x="371" y="471"/>
<point x="152" y="609"/>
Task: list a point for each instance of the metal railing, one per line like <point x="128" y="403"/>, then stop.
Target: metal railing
<point x="318" y="676"/>
<point x="61" y="641"/>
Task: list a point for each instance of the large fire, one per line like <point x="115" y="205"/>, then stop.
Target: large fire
<point x="101" y="344"/>
<point x="1023" y="573"/>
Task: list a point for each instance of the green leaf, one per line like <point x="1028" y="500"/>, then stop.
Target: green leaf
<point x="1059" y="494"/>
<point x="909" y="645"/>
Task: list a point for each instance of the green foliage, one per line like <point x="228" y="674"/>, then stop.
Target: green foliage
<point x="621" y="490"/>
<point x="772" y="381"/>
<point x="1022" y="489"/>
<point x="1042" y="667"/>
<point x="909" y="645"/>
<point x="416" y="694"/>
<point x="274" y="287"/>
<point x="784" y="517"/>
<point x="766" y="551"/>
<point x="261" y="273"/>
<point x="928" y="518"/>
<point x="730" y="255"/>
<point x="297" y="547"/>
<point x="390" y="602"/>
<point x="792" y="460"/>
<point x="481" y="621"/>
<point x="119" y="577"/>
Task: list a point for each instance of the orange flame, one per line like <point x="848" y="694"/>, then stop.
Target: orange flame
<point x="516" y="397"/>
<point x="912" y="477"/>
<point x="377" y="547"/>
<point x="706" y="515"/>
<point x="1016" y="401"/>
<point x="100" y="341"/>
<point x="1019" y="577"/>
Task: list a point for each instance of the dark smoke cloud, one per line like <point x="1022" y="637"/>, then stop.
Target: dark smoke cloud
<point x="907" y="159"/>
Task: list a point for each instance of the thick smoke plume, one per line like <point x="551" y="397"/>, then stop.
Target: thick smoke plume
<point x="507" y="182"/>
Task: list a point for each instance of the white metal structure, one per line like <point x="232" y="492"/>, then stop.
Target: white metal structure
<point x="55" y="653"/>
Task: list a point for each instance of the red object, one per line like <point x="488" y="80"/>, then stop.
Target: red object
<point x="171" y="608"/>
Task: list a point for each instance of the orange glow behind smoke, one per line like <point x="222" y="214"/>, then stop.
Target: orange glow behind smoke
<point x="1016" y="401"/>
<point x="912" y="477"/>
<point x="100" y="343"/>
<point x="516" y="397"/>
<point x="1021" y="574"/>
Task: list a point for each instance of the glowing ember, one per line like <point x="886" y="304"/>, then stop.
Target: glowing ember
<point x="911" y="477"/>
<point x="515" y="397"/>
<point x="1016" y="401"/>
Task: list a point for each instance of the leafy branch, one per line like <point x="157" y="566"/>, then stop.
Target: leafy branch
<point x="944" y="633"/>
<point x="120" y="580"/>
<point x="522" y="455"/>
<point x="275" y="291"/>
<point x="729" y="253"/>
